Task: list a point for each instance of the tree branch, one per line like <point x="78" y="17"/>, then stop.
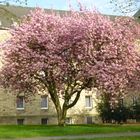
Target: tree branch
<point x="75" y="100"/>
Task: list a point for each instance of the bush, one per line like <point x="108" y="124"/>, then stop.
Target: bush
<point x="109" y="114"/>
<point x="136" y="112"/>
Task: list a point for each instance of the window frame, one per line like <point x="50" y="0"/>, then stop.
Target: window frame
<point x="134" y="100"/>
<point x="90" y="101"/>
<point x="45" y="120"/>
<point x="89" y="117"/>
<point x="68" y="120"/>
<point x="22" y="120"/>
<point x="46" y="100"/>
<point x="121" y="102"/>
<point x="23" y="103"/>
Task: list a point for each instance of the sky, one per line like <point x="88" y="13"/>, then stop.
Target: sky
<point x="103" y="6"/>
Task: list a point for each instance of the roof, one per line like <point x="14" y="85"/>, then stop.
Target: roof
<point x="10" y="14"/>
<point x="137" y="15"/>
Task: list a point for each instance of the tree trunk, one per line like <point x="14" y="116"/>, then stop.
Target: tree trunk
<point x="61" y="111"/>
<point x="61" y="115"/>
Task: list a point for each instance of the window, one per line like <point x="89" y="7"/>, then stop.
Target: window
<point x="68" y="120"/>
<point x="121" y="102"/>
<point x="89" y="120"/>
<point x="88" y="101"/>
<point x="44" y="102"/>
<point x="20" y="121"/>
<point x="20" y="102"/>
<point x="134" y="100"/>
<point x="44" y="121"/>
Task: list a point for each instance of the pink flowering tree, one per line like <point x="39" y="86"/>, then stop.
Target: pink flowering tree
<point x="66" y="54"/>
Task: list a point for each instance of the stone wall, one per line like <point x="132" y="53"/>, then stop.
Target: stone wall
<point x="32" y="112"/>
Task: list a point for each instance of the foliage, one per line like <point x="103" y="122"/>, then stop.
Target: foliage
<point x="112" y="114"/>
<point x="66" y="54"/>
<point x="136" y="112"/>
<point x="104" y="108"/>
<point x="121" y="114"/>
<point x="118" y="113"/>
<point x="13" y="1"/>
<point x="126" y="6"/>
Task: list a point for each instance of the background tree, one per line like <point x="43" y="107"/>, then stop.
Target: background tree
<point x="136" y="111"/>
<point x="126" y="6"/>
<point x="64" y="55"/>
<point x="104" y="108"/>
<point x="13" y="1"/>
<point x="117" y="113"/>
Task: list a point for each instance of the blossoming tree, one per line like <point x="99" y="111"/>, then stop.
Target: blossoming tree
<point x="66" y="54"/>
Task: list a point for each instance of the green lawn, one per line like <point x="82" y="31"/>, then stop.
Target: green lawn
<point x="14" y="131"/>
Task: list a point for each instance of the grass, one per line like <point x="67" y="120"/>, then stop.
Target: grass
<point x="15" y="131"/>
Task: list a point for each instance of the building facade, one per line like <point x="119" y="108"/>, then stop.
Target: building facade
<point x="40" y="109"/>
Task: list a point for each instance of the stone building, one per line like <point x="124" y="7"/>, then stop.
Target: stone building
<point x="40" y="109"/>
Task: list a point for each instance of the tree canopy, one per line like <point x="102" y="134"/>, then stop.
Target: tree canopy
<point x="63" y="55"/>
<point x="13" y="1"/>
<point x="126" y="6"/>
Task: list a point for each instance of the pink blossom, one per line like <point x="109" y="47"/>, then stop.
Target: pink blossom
<point x="80" y="49"/>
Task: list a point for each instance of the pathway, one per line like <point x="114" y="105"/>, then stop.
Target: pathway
<point x="83" y="136"/>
